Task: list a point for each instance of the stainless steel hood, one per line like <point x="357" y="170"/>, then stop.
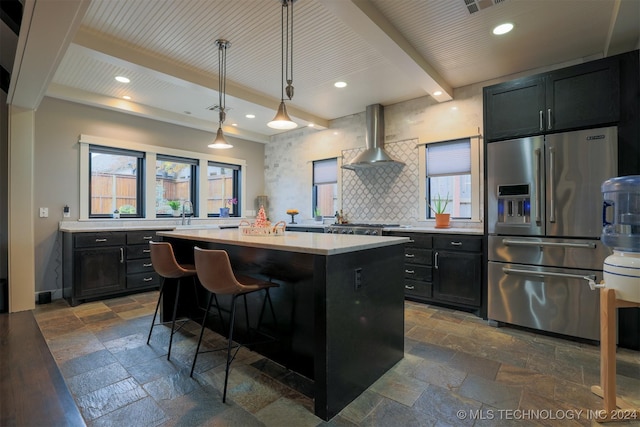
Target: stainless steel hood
<point x="374" y="154"/>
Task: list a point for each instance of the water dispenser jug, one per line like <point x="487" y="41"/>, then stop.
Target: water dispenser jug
<point x="621" y="232"/>
<point x="621" y="213"/>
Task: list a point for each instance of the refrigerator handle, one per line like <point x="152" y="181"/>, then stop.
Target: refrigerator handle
<point x="552" y="184"/>
<point x="537" y="184"/>
<point x="541" y="121"/>
<point x="590" y="278"/>
<point x="549" y="118"/>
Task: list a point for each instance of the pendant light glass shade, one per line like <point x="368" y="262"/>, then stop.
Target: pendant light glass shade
<point x="220" y="141"/>
<point x="282" y="119"/>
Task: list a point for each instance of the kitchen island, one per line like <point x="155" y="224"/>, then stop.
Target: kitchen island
<point x="339" y="307"/>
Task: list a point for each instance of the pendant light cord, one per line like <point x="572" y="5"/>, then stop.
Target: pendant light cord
<point x="287" y="47"/>
<point x="222" y="78"/>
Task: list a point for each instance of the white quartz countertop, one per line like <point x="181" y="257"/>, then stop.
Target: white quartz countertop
<point x="290" y="241"/>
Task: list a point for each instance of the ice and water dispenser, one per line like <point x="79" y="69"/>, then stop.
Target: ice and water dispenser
<point x="621" y="232"/>
<point x="514" y="204"/>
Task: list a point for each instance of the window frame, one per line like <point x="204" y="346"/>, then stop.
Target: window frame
<point x="476" y="178"/>
<point x="237" y="176"/>
<point x="149" y="178"/>
<point x="193" y="190"/>
<point x="140" y="165"/>
<point x="314" y="186"/>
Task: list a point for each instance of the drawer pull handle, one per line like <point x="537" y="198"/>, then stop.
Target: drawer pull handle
<point x="456" y="243"/>
<point x="147" y="265"/>
<point x="409" y="256"/>
<point x="409" y="271"/>
<point x="411" y="241"/>
<point x="147" y="237"/>
<point x="146" y="251"/>
<point x="409" y="287"/>
<point x="101" y="240"/>
<point x="121" y="255"/>
<point x="147" y="279"/>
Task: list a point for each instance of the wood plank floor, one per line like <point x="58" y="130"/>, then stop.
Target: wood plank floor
<point x="32" y="390"/>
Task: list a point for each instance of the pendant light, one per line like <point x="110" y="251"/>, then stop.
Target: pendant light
<point x="220" y="141"/>
<point x="282" y="119"/>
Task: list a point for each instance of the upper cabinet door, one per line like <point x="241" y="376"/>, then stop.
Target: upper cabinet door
<point x="583" y="96"/>
<point x="514" y="108"/>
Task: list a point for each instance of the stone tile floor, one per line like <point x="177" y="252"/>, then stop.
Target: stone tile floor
<point x="457" y="370"/>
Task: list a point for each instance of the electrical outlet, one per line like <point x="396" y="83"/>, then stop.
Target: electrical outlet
<point x="358" y="279"/>
<point x="66" y="211"/>
<point x="44" y="212"/>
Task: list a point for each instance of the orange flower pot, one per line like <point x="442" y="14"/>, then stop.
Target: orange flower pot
<point x="442" y="220"/>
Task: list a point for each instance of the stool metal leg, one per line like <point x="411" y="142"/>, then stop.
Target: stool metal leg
<point x="204" y="321"/>
<point x="155" y="313"/>
<point x="229" y="346"/>
<point x="173" y="320"/>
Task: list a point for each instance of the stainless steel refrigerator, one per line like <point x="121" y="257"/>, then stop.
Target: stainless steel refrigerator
<point x="544" y="221"/>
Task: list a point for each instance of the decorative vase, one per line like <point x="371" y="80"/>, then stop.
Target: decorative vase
<point x="176" y="212"/>
<point x="224" y="212"/>
<point x="442" y="220"/>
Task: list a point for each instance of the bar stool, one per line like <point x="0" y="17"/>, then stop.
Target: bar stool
<point x="165" y="264"/>
<point x="216" y="275"/>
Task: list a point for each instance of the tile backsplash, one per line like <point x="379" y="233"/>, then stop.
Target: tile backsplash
<point x="384" y="193"/>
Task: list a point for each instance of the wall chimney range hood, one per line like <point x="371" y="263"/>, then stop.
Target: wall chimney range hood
<point x="374" y="154"/>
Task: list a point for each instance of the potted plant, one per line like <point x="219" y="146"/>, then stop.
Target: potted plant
<point x="439" y="206"/>
<point x="224" y="212"/>
<point x="317" y="214"/>
<point x="175" y="206"/>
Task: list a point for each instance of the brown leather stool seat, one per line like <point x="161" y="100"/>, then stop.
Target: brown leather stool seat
<point x="216" y="275"/>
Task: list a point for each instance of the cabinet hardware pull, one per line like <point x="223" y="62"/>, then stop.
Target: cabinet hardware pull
<point x="509" y="242"/>
<point x="100" y="240"/>
<point x="121" y="255"/>
<point x="147" y="265"/>
<point x="456" y="243"/>
<point x="147" y="237"/>
<point x="409" y="255"/>
<point x="409" y="271"/>
<point x="549" y="117"/>
<point x="411" y="241"/>
<point x="146" y="251"/>
<point x="541" y="121"/>
<point x="435" y="260"/>
<point x="409" y="287"/>
<point x="147" y="279"/>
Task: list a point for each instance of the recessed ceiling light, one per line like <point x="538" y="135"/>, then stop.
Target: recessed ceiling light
<point x="310" y="125"/>
<point x="234" y="124"/>
<point x="122" y="79"/>
<point x="250" y="116"/>
<point x="127" y="97"/>
<point x="437" y="93"/>
<point x="340" y="84"/>
<point x="503" y="29"/>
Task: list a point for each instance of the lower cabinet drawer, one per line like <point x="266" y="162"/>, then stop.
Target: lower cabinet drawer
<point x="142" y="280"/>
<point x="417" y="272"/>
<point x="417" y="289"/>
<point x="139" y="266"/>
<point x="138" y="251"/>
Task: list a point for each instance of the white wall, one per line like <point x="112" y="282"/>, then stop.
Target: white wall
<point x="58" y="124"/>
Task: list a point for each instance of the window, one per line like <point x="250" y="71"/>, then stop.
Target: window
<point x="175" y="185"/>
<point x="448" y="177"/>
<point x="115" y="182"/>
<point x="325" y="187"/>
<point x="223" y="188"/>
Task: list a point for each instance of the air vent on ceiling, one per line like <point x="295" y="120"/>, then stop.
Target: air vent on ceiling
<point x="217" y="108"/>
<point x="477" y="5"/>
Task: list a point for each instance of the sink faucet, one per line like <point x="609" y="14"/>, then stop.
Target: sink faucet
<point x="187" y="220"/>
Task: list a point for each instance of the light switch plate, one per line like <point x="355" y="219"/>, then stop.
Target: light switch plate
<point x="44" y="212"/>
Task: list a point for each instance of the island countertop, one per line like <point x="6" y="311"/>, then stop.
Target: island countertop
<point x="291" y="241"/>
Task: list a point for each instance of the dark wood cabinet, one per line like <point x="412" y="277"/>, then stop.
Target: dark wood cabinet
<point x="443" y="269"/>
<point x="104" y="264"/>
<point x="457" y="270"/>
<point x="581" y="96"/>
